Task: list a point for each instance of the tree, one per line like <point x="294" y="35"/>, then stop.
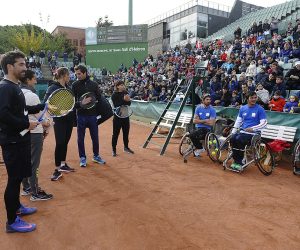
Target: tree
<point x="28" y="36"/>
<point x="103" y="22"/>
<point x="26" y="41"/>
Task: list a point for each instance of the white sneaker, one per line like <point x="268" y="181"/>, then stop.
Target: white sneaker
<point x="198" y="152"/>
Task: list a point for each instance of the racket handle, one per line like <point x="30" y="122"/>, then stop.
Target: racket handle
<point x="24" y="132"/>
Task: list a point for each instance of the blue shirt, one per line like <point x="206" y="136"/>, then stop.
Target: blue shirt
<point x="251" y="116"/>
<point x="205" y="113"/>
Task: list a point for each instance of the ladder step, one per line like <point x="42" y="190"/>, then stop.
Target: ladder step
<point x="159" y="135"/>
<point x="157" y="144"/>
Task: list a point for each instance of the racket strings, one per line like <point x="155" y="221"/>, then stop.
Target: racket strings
<point x="60" y="103"/>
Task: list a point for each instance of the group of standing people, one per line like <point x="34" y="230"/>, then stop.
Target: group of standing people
<point x="22" y="153"/>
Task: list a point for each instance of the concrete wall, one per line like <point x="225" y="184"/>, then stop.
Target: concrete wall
<point x="155" y="38"/>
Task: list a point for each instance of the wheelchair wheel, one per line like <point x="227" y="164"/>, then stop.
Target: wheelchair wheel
<point x="212" y="146"/>
<point x="263" y="157"/>
<point x="296" y="155"/>
<point x="225" y="150"/>
<point x="185" y="144"/>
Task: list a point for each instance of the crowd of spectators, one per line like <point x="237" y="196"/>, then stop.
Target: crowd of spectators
<point x="255" y="62"/>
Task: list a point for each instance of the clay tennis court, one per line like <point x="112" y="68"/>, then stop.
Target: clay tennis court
<point x="147" y="201"/>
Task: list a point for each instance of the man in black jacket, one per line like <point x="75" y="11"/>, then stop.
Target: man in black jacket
<point x="86" y="118"/>
<point x="16" y="149"/>
<point x="120" y="97"/>
<point x="293" y="77"/>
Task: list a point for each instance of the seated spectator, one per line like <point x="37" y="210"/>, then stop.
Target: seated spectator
<point x="251" y="70"/>
<point x="292" y="103"/>
<point x="234" y="99"/>
<point x="261" y="76"/>
<point x="285" y="53"/>
<point x="237" y="33"/>
<point x="277" y="102"/>
<point x="225" y="98"/>
<point x="215" y="89"/>
<point x="233" y="84"/>
<point x="262" y="95"/>
<point x="162" y="95"/>
<point x="293" y="77"/>
<point x="243" y="96"/>
<point x="270" y="82"/>
<point x="279" y="86"/>
<point x="296" y="51"/>
<point x="251" y="85"/>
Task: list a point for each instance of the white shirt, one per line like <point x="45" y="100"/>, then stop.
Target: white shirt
<point x="31" y="100"/>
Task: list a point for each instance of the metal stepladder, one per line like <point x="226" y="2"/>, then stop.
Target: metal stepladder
<point x="190" y="87"/>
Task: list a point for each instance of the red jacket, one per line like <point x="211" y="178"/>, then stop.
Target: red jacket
<point x="279" y="104"/>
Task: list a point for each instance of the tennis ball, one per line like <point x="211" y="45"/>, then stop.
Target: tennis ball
<point x="210" y="142"/>
<point x="216" y="149"/>
<point x="215" y="141"/>
<point x="213" y="153"/>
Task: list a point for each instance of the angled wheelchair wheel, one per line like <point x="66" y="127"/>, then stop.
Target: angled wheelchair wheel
<point x="296" y="156"/>
<point x="212" y="146"/>
<point x="185" y="144"/>
<point x="225" y="151"/>
<point x="263" y="157"/>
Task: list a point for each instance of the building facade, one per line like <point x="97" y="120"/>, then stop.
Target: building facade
<point x="195" y="20"/>
<point x="76" y="36"/>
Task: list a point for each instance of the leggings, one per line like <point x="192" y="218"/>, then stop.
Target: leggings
<point x="12" y="198"/>
<point x="63" y="130"/>
<point x="119" y="123"/>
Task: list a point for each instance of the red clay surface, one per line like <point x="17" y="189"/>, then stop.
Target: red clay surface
<point x="147" y="201"/>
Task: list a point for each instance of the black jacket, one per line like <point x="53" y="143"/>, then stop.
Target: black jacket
<point x="81" y="87"/>
<point x="14" y="113"/>
<point x="118" y="99"/>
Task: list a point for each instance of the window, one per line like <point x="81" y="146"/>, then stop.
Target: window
<point x="81" y="42"/>
<point x="75" y="42"/>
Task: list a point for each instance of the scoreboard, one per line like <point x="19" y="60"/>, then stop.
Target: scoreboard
<point x="122" y="34"/>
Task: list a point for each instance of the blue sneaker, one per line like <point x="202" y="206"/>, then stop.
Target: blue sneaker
<point x="98" y="159"/>
<point x="82" y="162"/>
<point x="20" y="226"/>
<point x="26" y="210"/>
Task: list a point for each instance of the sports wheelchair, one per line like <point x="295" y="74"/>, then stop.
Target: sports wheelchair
<point x="186" y="146"/>
<point x="296" y="156"/>
<point x="258" y="152"/>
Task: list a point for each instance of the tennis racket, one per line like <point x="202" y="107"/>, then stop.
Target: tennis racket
<point x="123" y="111"/>
<point x="60" y="103"/>
<point x="87" y="100"/>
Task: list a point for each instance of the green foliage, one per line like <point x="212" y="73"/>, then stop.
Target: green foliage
<point x="27" y="36"/>
<point x="103" y="22"/>
<point x="26" y="41"/>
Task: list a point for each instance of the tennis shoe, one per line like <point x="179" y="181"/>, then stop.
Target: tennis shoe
<point x="41" y="196"/>
<point x="236" y="166"/>
<point x="56" y="175"/>
<point x="198" y="152"/>
<point x="20" y="226"/>
<point x="114" y="153"/>
<point x="26" y="210"/>
<point x="98" y="160"/>
<point x="82" y="162"/>
<point x="128" y="150"/>
<point x="26" y="191"/>
<point x="65" y="168"/>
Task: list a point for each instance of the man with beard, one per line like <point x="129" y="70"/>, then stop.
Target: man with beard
<point x="16" y="149"/>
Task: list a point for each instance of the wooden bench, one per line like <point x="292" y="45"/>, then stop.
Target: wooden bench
<point x="169" y="119"/>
